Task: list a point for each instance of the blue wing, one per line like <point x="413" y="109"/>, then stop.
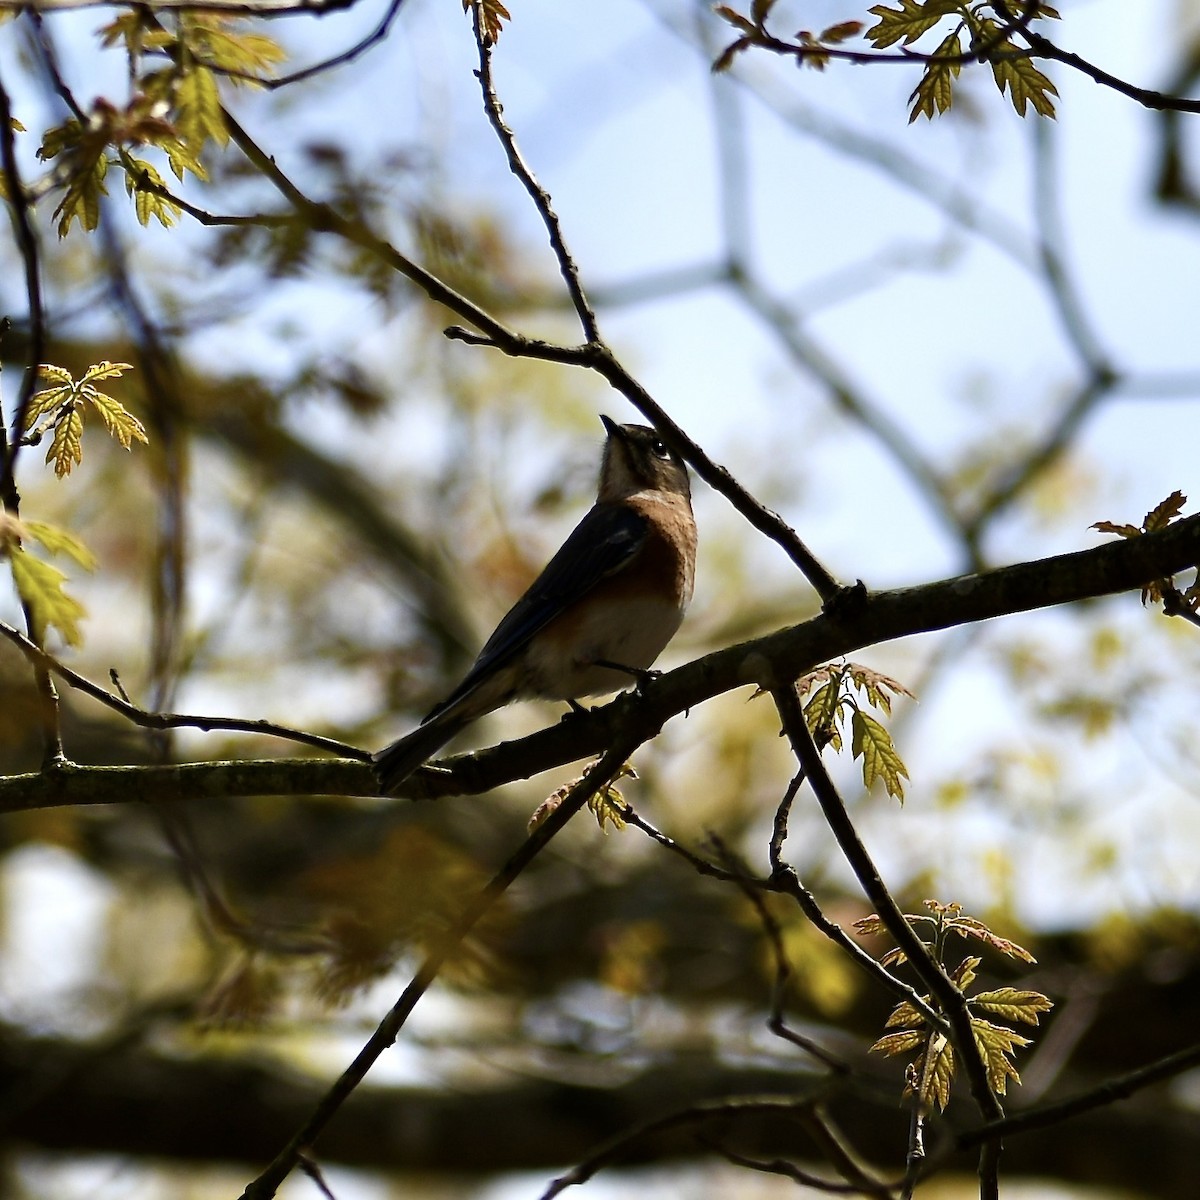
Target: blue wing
<point x="607" y="538"/>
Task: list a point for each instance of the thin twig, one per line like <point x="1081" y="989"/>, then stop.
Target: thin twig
<point x="697" y="1115"/>
<point x="598" y="776"/>
<point x="1120" y="1087"/>
<point x="538" y="194"/>
<point x="156" y="720"/>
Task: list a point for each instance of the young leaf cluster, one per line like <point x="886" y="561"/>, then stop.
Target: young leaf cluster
<point x="492" y="15"/>
<point x="930" y="1071"/>
<point x="174" y="108"/>
<point x="988" y="39"/>
<point x="61" y="408"/>
<point x="811" y="49"/>
<point x="1159" y="517"/>
<point x="836" y="688"/>
<point x="977" y="32"/>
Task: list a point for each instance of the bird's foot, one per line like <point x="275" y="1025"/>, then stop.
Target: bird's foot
<point x="641" y="676"/>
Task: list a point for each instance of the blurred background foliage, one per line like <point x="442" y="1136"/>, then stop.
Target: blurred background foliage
<point x="919" y="346"/>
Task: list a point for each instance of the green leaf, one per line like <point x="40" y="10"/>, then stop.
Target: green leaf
<point x="198" y="114"/>
<point x="219" y="41"/>
<point x="66" y="447"/>
<point x="118" y="420"/>
<point x="936" y="1073"/>
<point x="46" y="401"/>
<point x="81" y="202"/>
<point x="880" y="761"/>
<point x="40" y="587"/>
<point x="147" y="203"/>
<point x="997" y="1045"/>
<point x="908" y="22"/>
<point x="104" y="370"/>
<point x="892" y="1044"/>
<point x="935" y="92"/>
<point x="181" y="158"/>
<point x="1013" y="1004"/>
<point x="964" y="973"/>
<point x="905" y="1016"/>
<point x="59" y="541"/>
<point x="821" y="711"/>
<point x="1026" y="84"/>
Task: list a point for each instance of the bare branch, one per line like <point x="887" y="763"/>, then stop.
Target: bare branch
<point x="597" y="777"/>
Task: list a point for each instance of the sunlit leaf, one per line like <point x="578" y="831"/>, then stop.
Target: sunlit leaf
<point x="199" y="116"/>
<point x="892" y="1044"/>
<point x="40" y="587"/>
<point x="935" y="1070"/>
<point x="997" y="1046"/>
<point x="66" y="447"/>
<point x="906" y="23"/>
<point x="59" y="541"/>
<point x="118" y="420"/>
<point x="872" y="741"/>
<point x="1014" y="1004"/>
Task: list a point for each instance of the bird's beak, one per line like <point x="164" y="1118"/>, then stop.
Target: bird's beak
<point x="610" y="426"/>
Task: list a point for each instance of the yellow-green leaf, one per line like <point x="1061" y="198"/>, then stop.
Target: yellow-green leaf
<point x="104" y="370"/>
<point x="964" y="973"/>
<point x="66" y="448"/>
<point x="936" y="1073"/>
<point x="608" y="807"/>
<point x="822" y="709"/>
<point x="46" y="401"/>
<point x="880" y="761"/>
<point x="198" y="114"/>
<point x="82" y="200"/>
<point x="1025" y="83"/>
<point x="40" y="587"/>
<point x="57" y="374"/>
<point x="892" y="1044"/>
<point x="906" y="23"/>
<point x="997" y="1045"/>
<point x="903" y="1015"/>
<point x="1014" y="1004"/>
<point x="148" y="203"/>
<point x="118" y="420"/>
<point x="59" y="541"/>
<point x="935" y="92"/>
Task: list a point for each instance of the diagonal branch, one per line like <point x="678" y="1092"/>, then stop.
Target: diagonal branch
<point x="597" y="777"/>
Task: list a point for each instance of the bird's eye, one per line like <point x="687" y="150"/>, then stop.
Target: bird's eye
<point x="659" y="450"/>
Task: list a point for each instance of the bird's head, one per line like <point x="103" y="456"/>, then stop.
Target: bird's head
<point x="637" y="460"/>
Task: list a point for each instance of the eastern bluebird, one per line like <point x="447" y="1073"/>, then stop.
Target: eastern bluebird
<point x="600" y="612"/>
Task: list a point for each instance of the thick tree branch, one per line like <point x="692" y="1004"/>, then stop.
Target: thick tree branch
<point x="1120" y="566"/>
